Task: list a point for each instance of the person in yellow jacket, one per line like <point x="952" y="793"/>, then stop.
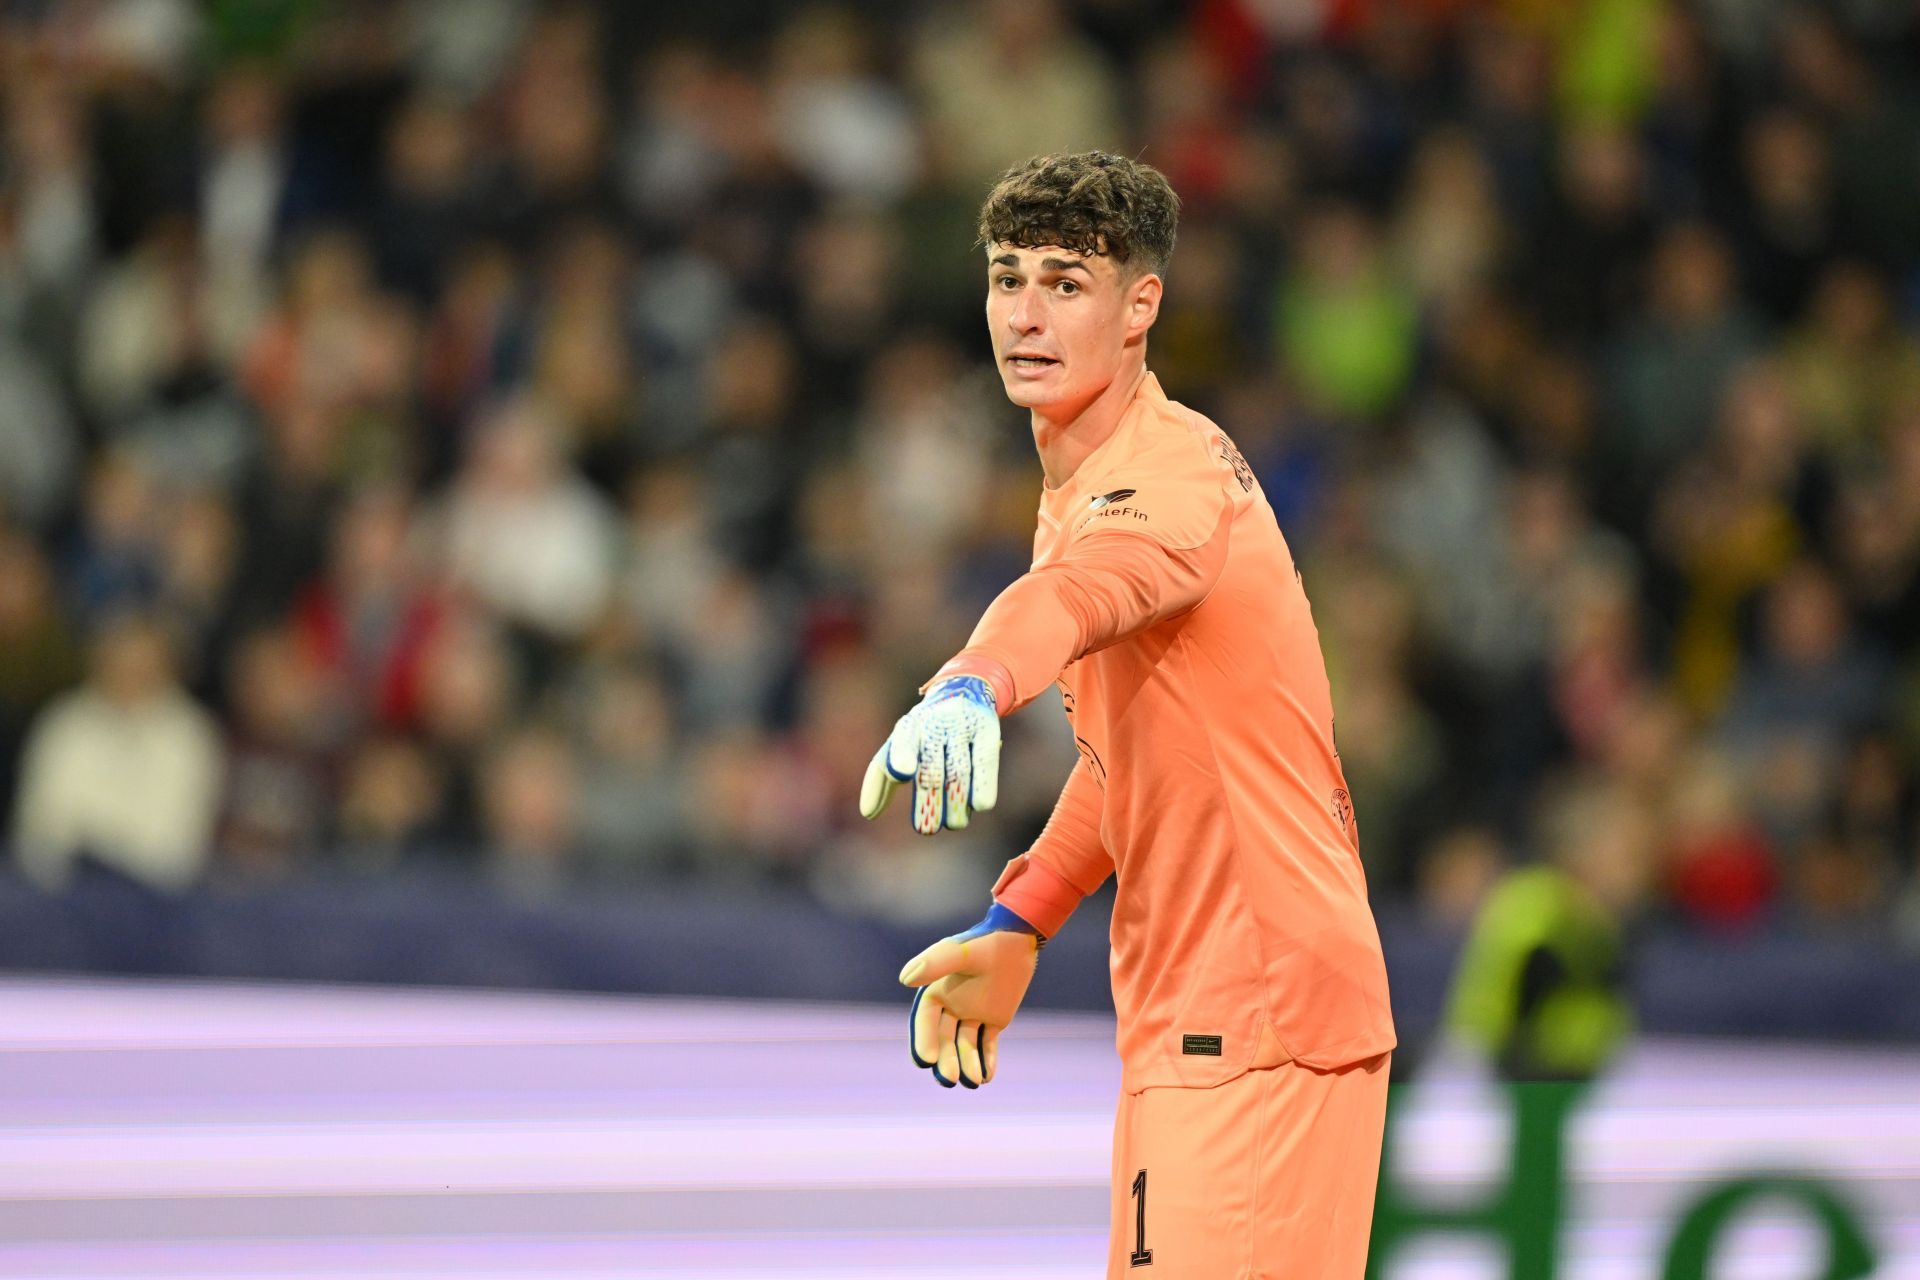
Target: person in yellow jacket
<point x="1541" y="987"/>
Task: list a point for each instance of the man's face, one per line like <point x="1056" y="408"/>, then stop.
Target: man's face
<point x="1061" y="323"/>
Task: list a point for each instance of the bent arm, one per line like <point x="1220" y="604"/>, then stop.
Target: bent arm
<point x="1067" y="862"/>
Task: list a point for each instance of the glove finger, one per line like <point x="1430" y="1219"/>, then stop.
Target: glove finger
<point x="903" y="748"/>
<point x="984" y="768"/>
<point x="946" y="1066"/>
<point x="959" y="784"/>
<point x="923" y="1029"/>
<point x="989" y="1052"/>
<point x="949" y="955"/>
<point x="967" y="1043"/>
<point x="929" y="789"/>
<point x="877" y="788"/>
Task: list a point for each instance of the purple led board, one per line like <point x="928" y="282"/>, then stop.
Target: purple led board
<point x="155" y="1128"/>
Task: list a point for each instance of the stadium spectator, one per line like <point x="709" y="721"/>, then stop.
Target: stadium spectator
<point x="390" y="795"/>
<point x="633" y="819"/>
<point x="40" y="654"/>
<point x="529" y="804"/>
<point x="38" y="445"/>
<point x="370" y="620"/>
<point x="524" y="532"/>
<point x="278" y="802"/>
<point x="1542" y="987"/>
<point x="559" y="365"/>
<point x="126" y="769"/>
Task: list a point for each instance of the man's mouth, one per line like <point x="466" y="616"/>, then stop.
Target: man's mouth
<point x="1031" y="362"/>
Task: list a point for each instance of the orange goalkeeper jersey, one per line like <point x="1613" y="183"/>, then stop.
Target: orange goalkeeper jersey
<point x="1164" y="602"/>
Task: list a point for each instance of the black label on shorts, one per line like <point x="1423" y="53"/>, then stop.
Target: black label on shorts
<point x="1205" y="1046"/>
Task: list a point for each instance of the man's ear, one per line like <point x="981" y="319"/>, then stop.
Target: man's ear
<point x="1143" y="304"/>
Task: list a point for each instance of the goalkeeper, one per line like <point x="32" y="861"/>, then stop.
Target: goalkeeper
<point x="1254" y="1032"/>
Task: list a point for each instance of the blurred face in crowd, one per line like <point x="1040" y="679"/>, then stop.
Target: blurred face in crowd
<point x="1805" y="616"/>
<point x="469" y="685"/>
<point x="276" y="692"/>
<point x="133" y="661"/>
<point x="530" y="796"/>
<point x="370" y="542"/>
<point x="1605" y="837"/>
<point x="25" y="586"/>
<point x="1064" y="324"/>
<point x="391" y="792"/>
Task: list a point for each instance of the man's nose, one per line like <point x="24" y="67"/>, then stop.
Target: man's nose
<point x="1028" y="314"/>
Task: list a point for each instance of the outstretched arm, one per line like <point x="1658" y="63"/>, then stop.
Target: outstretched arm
<point x="1107" y="587"/>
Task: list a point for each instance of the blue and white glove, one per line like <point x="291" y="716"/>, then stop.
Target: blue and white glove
<point x="971" y="985"/>
<point x="948" y="747"/>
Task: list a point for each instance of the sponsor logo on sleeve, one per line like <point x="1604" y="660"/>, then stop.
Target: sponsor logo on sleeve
<point x="1108" y="506"/>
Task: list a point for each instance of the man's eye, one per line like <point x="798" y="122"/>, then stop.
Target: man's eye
<point x="1069" y="287"/>
<point x="1006" y="280"/>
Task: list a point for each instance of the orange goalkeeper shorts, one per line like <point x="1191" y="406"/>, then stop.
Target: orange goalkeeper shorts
<point x="1269" y="1175"/>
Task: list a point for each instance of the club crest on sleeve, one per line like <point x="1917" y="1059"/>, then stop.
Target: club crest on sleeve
<point x="1343" y="810"/>
<point x="1232" y="457"/>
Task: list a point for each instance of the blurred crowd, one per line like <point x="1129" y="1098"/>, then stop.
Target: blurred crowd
<point x="557" y="438"/>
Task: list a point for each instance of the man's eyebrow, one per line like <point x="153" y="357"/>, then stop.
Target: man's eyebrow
<point x="1047" y="264"/>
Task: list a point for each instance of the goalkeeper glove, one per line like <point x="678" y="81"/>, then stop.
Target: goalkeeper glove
<point x="971" y="985"/>
<point x="949" y="748"/>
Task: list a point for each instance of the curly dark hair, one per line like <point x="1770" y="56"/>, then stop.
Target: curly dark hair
<point x="1092" y="202"/>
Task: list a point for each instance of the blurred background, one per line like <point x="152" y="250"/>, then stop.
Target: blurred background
<point x="530" y="451"/>
<point x="478" y="478"/>
<point x="487" y="456"/>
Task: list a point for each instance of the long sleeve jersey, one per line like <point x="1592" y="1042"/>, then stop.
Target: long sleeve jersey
<point x="1165" y="604"/>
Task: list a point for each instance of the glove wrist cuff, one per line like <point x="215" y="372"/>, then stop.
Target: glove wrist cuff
<point x="999" y="679"/>
<point x="1002" y="919"/>
<point x="1035" y="892"/>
